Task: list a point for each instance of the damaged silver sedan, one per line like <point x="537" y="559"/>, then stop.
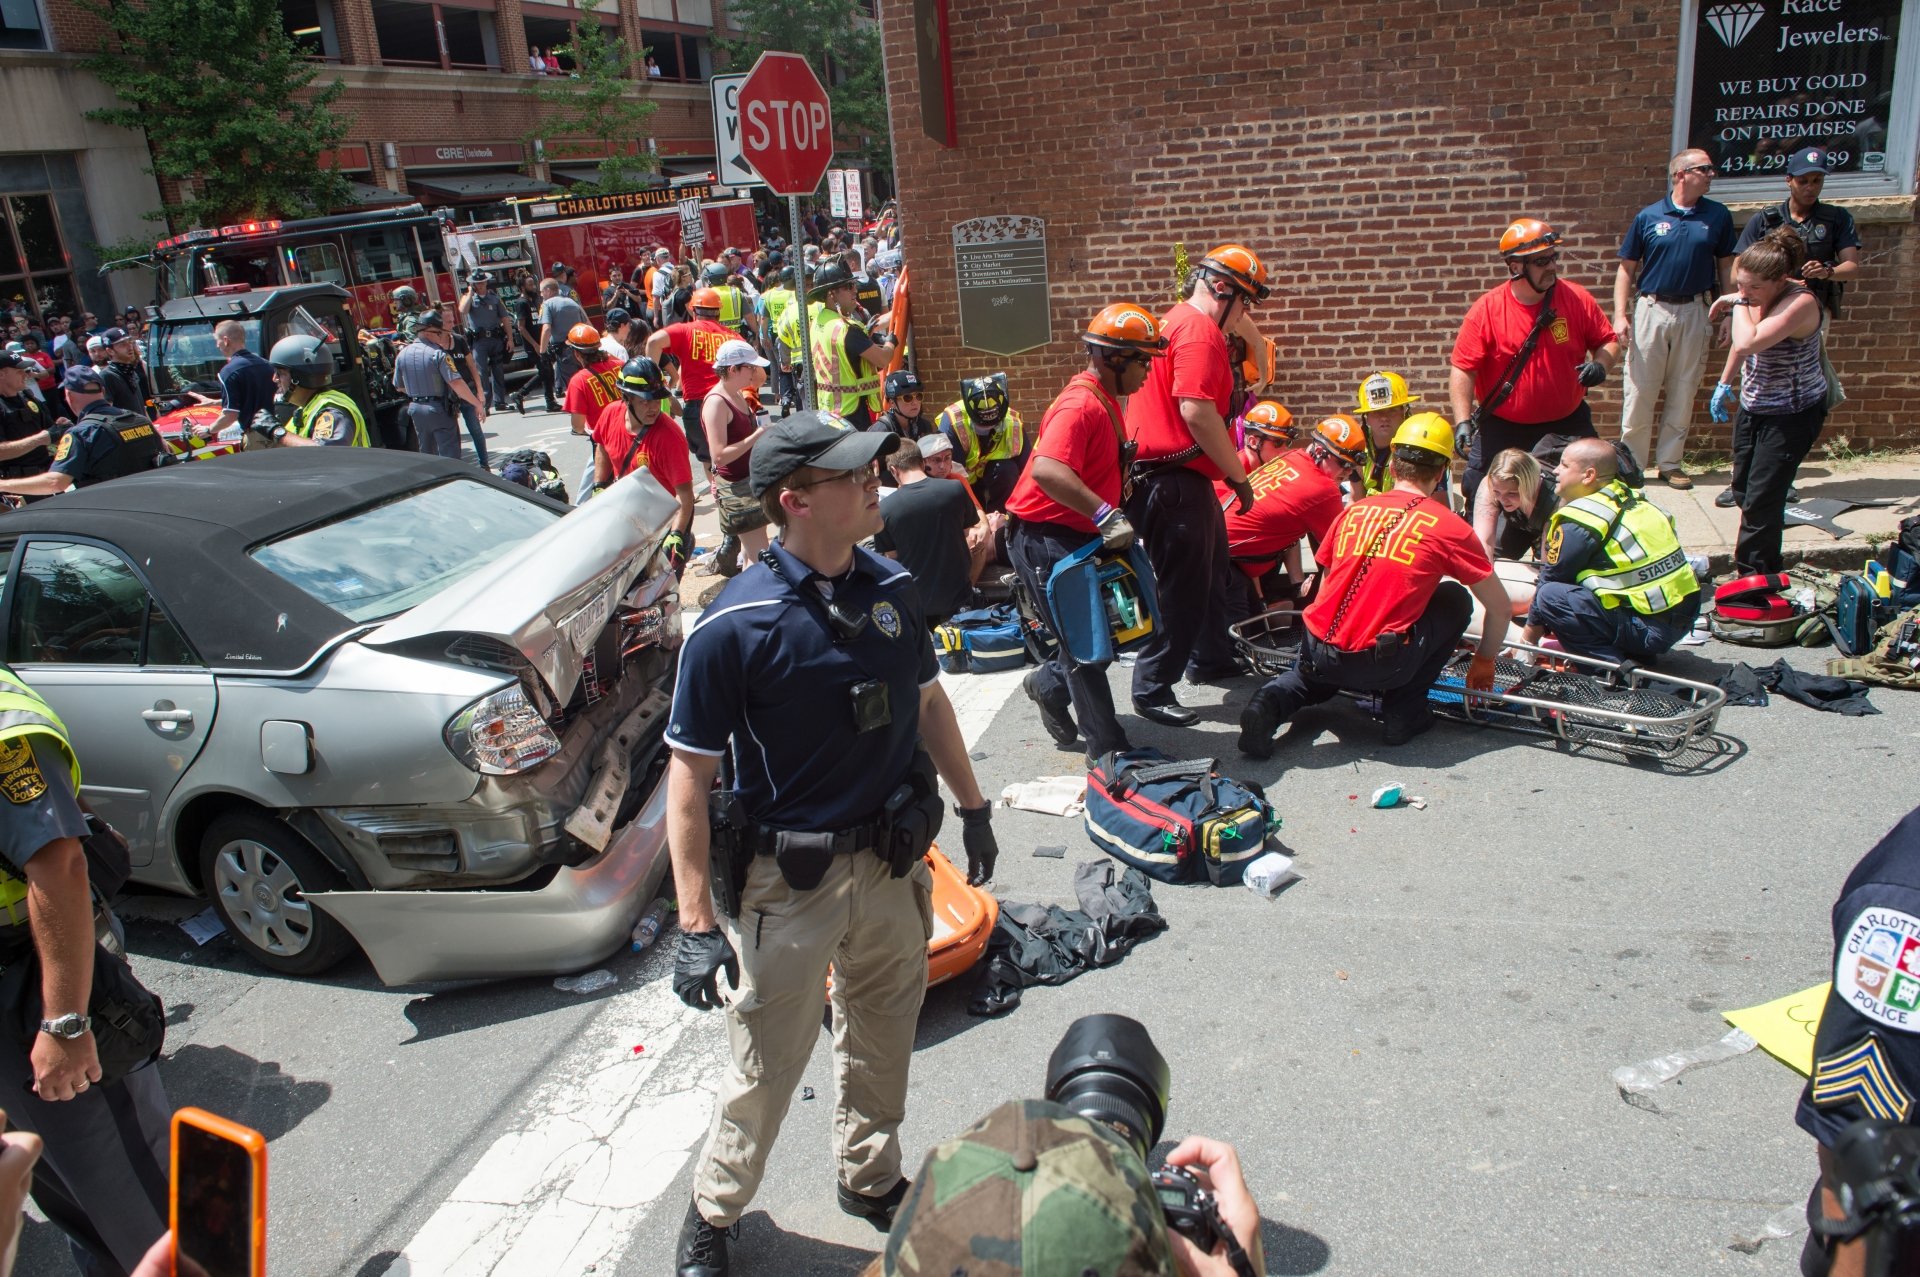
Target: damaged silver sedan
<point x="364" y="699"/>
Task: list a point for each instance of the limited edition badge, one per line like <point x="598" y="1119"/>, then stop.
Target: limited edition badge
<point x="1879" y="968"/>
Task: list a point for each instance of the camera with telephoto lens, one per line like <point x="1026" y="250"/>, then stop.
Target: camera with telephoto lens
<point x="1107" y="1070"/>
<point x="1878" y="1166"/>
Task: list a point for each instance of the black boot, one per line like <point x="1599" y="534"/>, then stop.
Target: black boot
<point x="1400" y="731"/>
<point x="1057" y="719"/>
<point x="703" y="1248"/>
<point x="877" y="1211"/>
<point x="1258" y="723"/>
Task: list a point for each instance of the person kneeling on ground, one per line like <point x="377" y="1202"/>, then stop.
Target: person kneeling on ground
<point x="1510" y="513"/>
<point x="1615" y="582"/>
<point x="1384" y="621"/>
<point x="924" y="527"/>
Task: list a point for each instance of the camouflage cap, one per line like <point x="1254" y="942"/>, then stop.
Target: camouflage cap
<point x="1031" y="1190"/>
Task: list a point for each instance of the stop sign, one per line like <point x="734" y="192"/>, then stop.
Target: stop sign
<point x="786" y="125"/>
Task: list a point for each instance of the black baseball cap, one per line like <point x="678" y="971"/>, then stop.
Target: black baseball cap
<point x="1811" y="160"/>
<point x="83" y="378"/>
<point x="114" y="334"/>
<point x="814" y="439"/>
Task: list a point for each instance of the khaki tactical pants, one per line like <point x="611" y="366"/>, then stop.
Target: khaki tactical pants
<point x="873" y="929"/>
<point x="1669" y="356"/>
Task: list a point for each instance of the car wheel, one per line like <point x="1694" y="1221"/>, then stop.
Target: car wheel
<point x="258" y="872"/>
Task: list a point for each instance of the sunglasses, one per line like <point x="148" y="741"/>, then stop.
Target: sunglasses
<point x="869" y="471"/>
<point x="905" y="395"/>
<point x="1708" y="169"/>
<point x="1541" y="259"/>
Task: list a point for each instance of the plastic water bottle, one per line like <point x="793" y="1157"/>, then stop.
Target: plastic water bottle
<point x="647" y="930"/>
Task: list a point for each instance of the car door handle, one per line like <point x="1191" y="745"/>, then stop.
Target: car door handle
<point x="167" y="715"/>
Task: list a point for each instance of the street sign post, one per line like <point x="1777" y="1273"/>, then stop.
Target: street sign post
<point x="786" y="134"/>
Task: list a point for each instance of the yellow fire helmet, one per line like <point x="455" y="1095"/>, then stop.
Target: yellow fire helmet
<point x="1383" y="390"/>
<point x="1425" y="432"/>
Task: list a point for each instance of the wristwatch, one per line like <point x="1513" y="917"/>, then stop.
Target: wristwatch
<point x="69" y="1026"/>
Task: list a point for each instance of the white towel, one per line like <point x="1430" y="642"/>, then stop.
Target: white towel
<point x="1053" y="795"/>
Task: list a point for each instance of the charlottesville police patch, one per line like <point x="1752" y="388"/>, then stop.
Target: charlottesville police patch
<point x="1879" y="968"/>
<point x="887" y="617"/>
<point x="20" y="777"/>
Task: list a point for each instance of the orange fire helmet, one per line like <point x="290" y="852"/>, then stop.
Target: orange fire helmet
<point x="705" y="299"/>
<point x="583" y="337"/>
<point x="1271" y="420"/>
<point x="1342" y="436"/>
<point x="1528" y="236"/>
<point x="1125" y="326"/>
<point x="1240" y="267"/>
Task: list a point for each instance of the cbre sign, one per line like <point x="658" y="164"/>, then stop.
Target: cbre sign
<point x="786" y="124"/>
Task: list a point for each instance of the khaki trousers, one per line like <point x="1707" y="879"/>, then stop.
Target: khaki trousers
<point x="1669" y="356"/>
<point x="873" y="929"/>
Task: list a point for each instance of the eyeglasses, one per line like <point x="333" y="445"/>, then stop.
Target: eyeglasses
<point x="858" y="477"/>
<point x="1708" y="169"/>
<point x="1541" y="259"/>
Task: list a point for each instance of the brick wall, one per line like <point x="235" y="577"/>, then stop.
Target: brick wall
<point x="1371" y="152"/>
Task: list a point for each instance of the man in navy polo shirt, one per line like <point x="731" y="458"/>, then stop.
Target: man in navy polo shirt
<point x="1676" y="251"/>
<point x="815" y="671"/>
<point x="246" y="383"/>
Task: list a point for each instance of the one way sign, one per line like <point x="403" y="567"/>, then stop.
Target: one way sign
<point x="732" y="165"/>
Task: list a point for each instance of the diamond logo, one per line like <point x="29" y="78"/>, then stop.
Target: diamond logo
<point x="1734" y="22"/>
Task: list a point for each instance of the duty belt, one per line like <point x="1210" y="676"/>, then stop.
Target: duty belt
<point x="1674" y="299"/>
<point x="485" y="332"/>
<point x="430" y="399"/>
<point x="760" y="839"/>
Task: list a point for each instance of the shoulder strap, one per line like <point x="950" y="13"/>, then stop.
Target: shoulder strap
<point x="1519" y="364"/>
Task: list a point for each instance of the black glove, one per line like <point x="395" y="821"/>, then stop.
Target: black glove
<point x="976" y="835"/>
<point x="1591" y="373"/>
<point x="696" y="968"/>
<point x="59" y="427"/>
<point x="676" y="546"/>
<point x="1243" y="494"/>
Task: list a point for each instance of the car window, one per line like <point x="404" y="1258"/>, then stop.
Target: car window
<point x="165" y="644"/>
<point x="76" y="605"/>
<point x="382" y="560"/>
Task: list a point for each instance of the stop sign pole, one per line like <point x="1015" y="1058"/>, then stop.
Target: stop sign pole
<point x="787" y="137"/>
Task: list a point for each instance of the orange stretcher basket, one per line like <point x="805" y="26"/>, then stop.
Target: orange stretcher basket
<point x="963" y="919"/>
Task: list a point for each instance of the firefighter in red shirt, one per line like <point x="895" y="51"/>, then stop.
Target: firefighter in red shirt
<point x="691" y="346"/>
<point x="596" y="385"/>
<point x="1384" y="620"/>
<point x="1267" y="431"/>
<point x="1295" y="494"/>
<point x="1547" y="394"/>
<point x="632" y="432"/>
<point x="1178" y="424"/>
<point x="1070" y="493"/>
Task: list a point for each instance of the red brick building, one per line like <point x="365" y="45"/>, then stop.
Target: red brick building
<point x="436" y="95"/>
<point x="1373" y="151"/>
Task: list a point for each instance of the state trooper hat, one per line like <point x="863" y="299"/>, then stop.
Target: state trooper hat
<point x="1031" y="1188"/>
<point x="814" y="439"/>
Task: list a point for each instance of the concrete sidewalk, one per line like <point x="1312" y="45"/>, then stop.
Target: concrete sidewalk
<point x="1707" y="529"/>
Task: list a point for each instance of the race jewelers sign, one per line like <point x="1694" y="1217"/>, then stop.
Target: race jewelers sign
<point x="1771" y="77"/>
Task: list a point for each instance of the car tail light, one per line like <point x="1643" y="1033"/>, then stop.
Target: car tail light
<point x="501" y="734"/>
<point x="656" y="624"/>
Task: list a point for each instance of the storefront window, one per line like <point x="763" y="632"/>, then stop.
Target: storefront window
<point x="34" y="271"/>
<point x="1761" y="79"/>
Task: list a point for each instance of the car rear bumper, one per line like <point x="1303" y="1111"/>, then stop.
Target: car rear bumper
<point x="580" y="917"/>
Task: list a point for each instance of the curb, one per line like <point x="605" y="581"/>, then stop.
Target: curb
<point x="1849" y="552"/>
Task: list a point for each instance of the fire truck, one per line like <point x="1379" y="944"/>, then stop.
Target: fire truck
<point x="597" y="235"/>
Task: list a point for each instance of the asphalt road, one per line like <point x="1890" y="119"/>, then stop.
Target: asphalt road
<point x="1411" y="1047"/>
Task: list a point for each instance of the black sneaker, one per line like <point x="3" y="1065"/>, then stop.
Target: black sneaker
<point x="1057" y="719"/>
<point x="877" y="1211"/>
<point x="1793" y="493"/>
<point x="1258" y="723"/>
<point x="703" y="1248"/>
<point x="1401" y="732"/>
<point x="1727" y="500"/>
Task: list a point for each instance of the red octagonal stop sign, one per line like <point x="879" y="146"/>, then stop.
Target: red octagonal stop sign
<point x="786" y="125"/>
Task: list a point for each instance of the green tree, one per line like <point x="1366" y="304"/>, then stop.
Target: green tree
<point x="844" y="48"/>
<point x="599" y="100"/>
<point x="225" y="97"/>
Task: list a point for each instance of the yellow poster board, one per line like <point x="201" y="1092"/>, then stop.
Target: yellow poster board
<point x="1785" y="1027"/>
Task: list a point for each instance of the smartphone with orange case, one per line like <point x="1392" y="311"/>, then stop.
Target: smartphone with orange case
<point x="219" y="1200"/>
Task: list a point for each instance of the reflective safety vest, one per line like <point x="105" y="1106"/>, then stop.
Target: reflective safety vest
<point x="1375" y="475"/>
<point x="780" y="304"/>
<point x="24" y="715"/>
<point x="732" y="305"/>
<point x="302" y="423"/>
<point x="841" y="382"/>
<point x="1009" y="440"/>
<point x="1645" y="566"/>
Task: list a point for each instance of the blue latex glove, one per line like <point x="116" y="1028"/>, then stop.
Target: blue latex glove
<point x="1721" y="408"/>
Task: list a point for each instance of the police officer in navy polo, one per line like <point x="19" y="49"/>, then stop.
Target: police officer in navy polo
<point x="814" y="673"/>
<point x="104" y="442"/>
<point x="1866" y="1055"/>
<point x="1676" y="251"/>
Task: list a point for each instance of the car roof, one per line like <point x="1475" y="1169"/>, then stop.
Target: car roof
<point x="188" y="528"/>
<point x="241" y="305"/>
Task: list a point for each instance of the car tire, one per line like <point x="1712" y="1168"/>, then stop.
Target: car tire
<point x="258" y="871"/>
